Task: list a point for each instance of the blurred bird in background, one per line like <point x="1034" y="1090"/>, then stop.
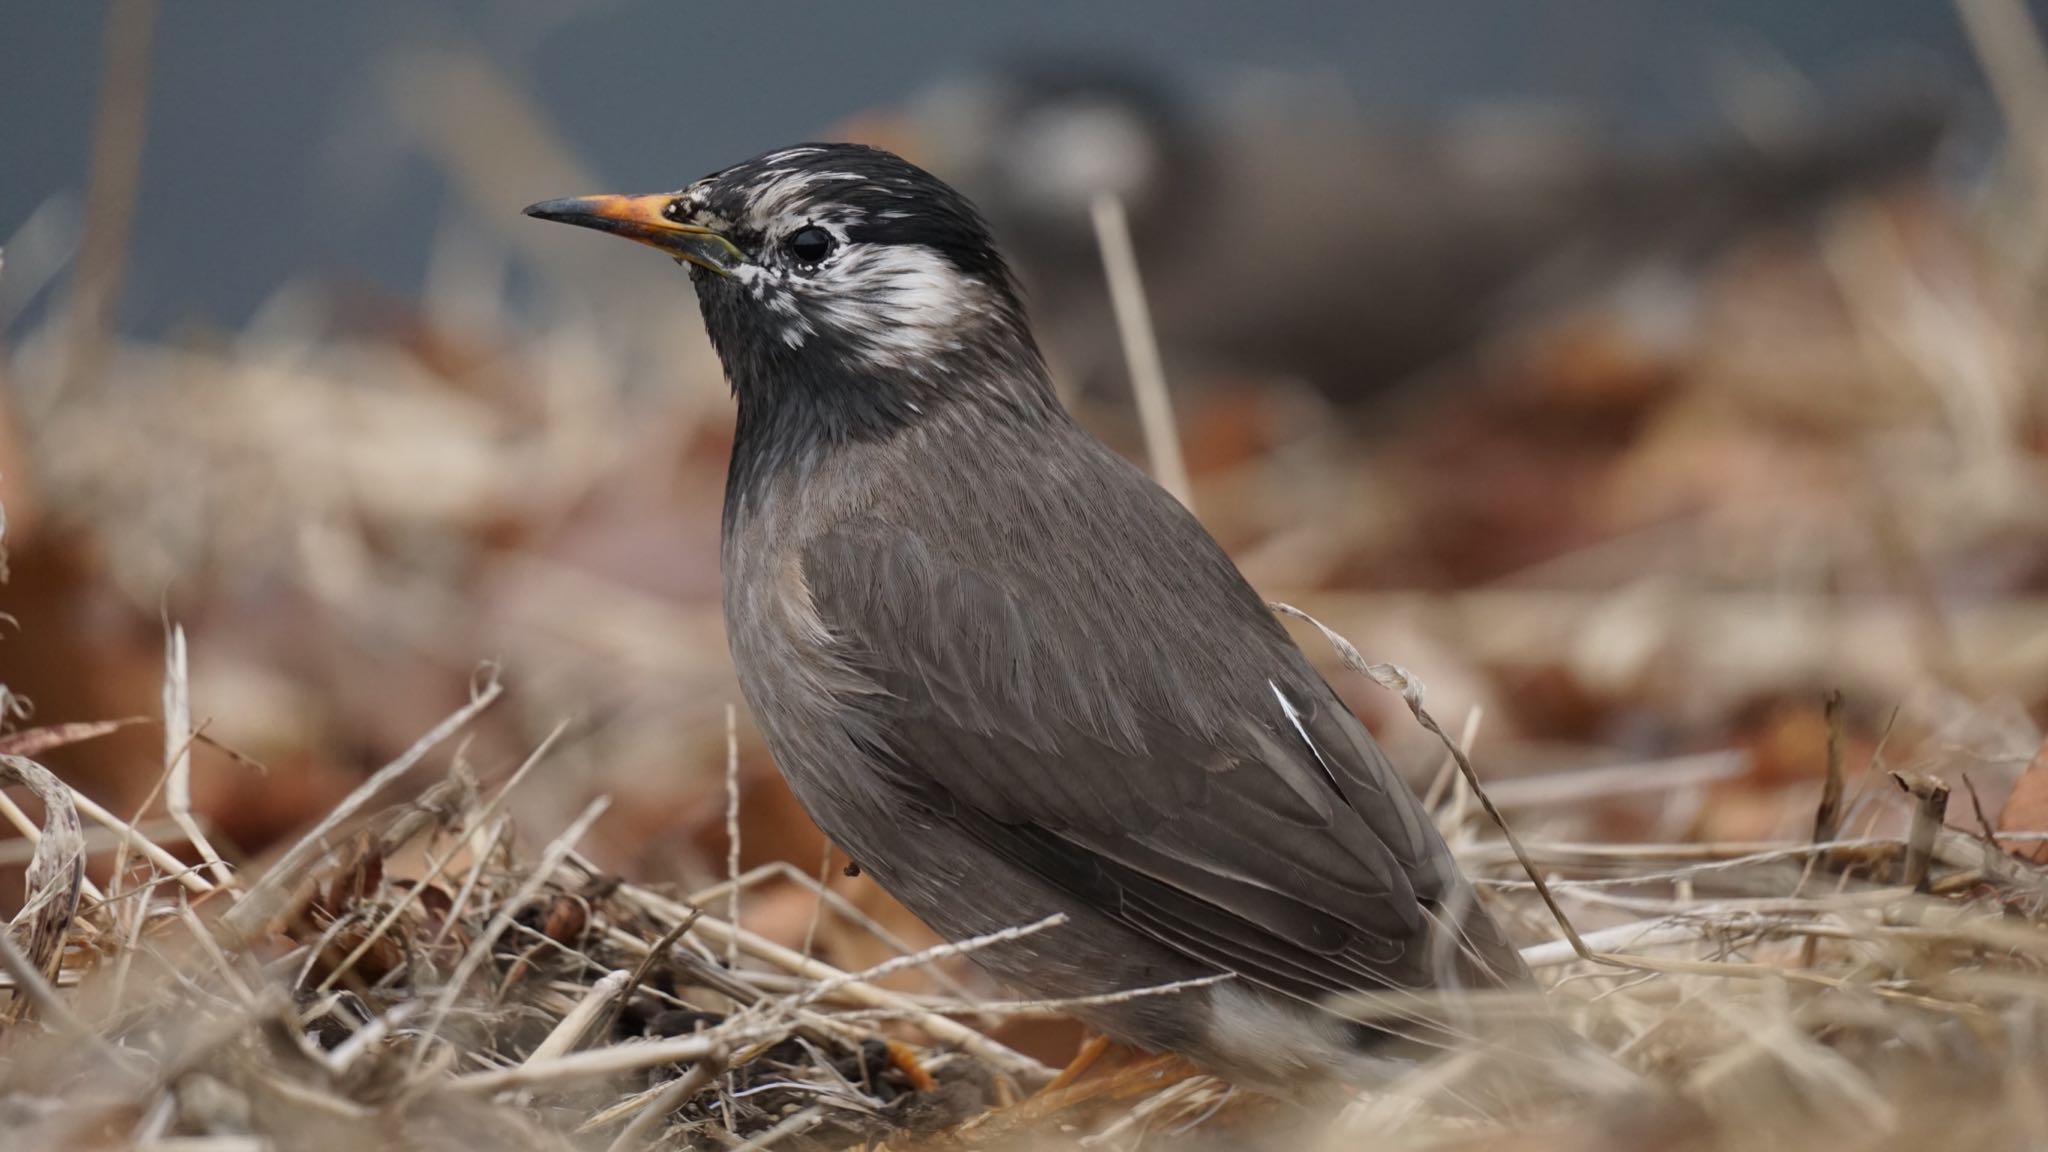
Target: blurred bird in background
<point x="1282" y="234"/>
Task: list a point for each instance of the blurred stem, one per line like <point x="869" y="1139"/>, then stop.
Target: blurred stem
<point x="111" y="188"/>
<point x="2015" y="61"/>
<point x="1141" y="348"/>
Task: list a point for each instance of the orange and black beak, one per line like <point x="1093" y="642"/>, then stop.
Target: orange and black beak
<point x="646" y="219"/>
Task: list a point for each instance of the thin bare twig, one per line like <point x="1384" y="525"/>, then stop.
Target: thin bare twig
<point x="951" y="1032"/>
<point x="266" y="897"/>
<point x="732" y="829"/>
<point x="440" y="864"/>
<point x="601" y="1063"/>
<point x="30" y="983"/>
<point x="820" y="893"/>
<point x="1393" y="676"/>
<point x="597" y="1000"/>
<point x="1059" y="1006"/>
<point x="672" y="1096"/>
<point x="178" y="737"/>
<point x="820" y="888"/>
<point x="1827" y="815"/>
<point x="931" y="955"/>
<point x="480" y="951"/>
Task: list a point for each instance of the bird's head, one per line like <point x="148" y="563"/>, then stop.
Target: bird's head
<point x="841" y="277"/>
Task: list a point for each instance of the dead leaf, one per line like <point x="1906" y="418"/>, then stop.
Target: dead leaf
<point x="56" y="872"/>
<point x="36" y="741"/>
<point x="2026" y="810"/>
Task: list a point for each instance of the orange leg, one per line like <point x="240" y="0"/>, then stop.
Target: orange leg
<point x="1091" y="1050"/>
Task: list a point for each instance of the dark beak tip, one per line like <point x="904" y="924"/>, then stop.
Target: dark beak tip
<point x="543" y="210"/>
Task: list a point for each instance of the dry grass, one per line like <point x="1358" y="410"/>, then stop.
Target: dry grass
<point x="406" y="977"/>
<point x="402" y="967"/>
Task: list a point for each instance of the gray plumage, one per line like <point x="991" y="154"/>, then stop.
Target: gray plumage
<point x="1010" y="676"/>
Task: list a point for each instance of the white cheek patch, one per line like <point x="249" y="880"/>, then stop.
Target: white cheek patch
<point x="896" y="304"/>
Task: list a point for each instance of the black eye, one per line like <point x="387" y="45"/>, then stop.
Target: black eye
<point x="810" y="244"/>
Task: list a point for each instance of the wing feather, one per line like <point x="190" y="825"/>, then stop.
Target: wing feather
<point x="1204" y="788"/>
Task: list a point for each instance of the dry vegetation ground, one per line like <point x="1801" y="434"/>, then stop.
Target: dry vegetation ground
<point x="1746" y="630"/>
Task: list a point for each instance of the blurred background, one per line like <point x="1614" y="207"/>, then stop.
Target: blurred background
<point x="1636" y="374"/>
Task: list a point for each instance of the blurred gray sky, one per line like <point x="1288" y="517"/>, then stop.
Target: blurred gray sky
<point x="275" y="149"/>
